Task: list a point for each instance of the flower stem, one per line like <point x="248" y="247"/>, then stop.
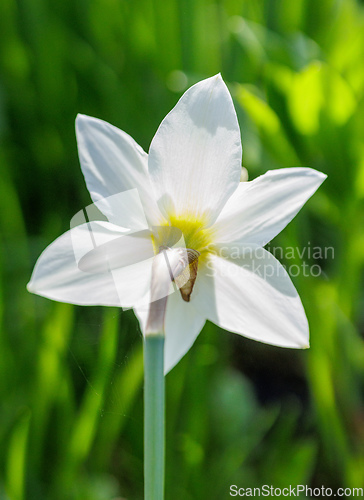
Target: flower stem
<point x="167" y="265"/>
<point x="154" y="417"/>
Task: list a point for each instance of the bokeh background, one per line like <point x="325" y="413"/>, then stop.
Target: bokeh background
<point x="238" y="412"/>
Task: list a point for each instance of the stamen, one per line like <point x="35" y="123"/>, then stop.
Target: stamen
<point x="167" y="264"/>
<point x="186" y="280"/>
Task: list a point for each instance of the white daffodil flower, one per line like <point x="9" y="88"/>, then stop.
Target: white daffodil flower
<point x="190" y="181"/>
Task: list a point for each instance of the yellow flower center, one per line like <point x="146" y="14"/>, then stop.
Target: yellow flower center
<point x="197" y="238"/>
<point x="196" y="234"/>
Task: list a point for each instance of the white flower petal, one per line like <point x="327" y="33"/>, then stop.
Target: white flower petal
<point x="82" y="267"/>
<point x="254" y="296"/>
<point x="195" y="156"/>
<point x="183" y="323"/>
<point x="112" y="162"/>
<point x="260" y="209"/>
<point x="125" y="209"/>
<point x="133" y="283"/>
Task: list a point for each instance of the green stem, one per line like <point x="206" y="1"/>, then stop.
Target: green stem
<point x="154" y="418"/>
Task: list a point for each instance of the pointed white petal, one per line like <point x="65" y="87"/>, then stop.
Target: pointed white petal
<point x="254" y="296"/>
<point x="260" y="209"/>
<point x="83" y="267"/>
<point x="195" y="156"/>
<point x="183" y="323"/>
<point x="112" y="162"/>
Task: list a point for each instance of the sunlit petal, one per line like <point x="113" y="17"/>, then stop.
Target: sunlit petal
<point x="254" y="296"/>
<point x="195" y="156"/>
<point x="112" y="162"/>
<point x="94" y="264"/>
<point x="260" y="209"/>
<point x="183" y="323"/>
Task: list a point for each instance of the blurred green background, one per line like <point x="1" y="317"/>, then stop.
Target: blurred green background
<point x="238" y="412"/>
